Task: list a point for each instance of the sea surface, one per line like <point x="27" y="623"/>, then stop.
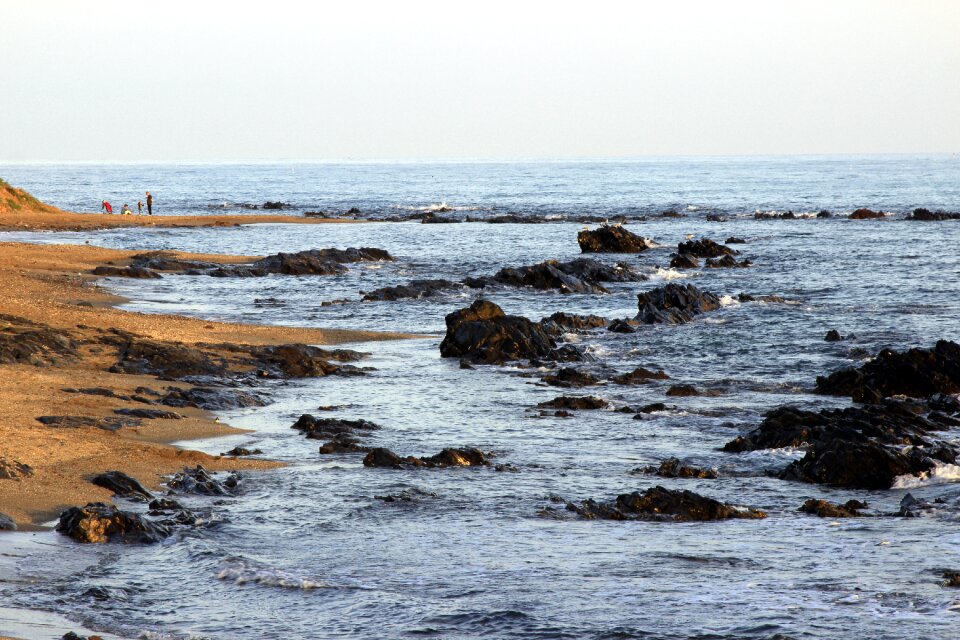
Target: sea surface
<point x="309" y="551"/>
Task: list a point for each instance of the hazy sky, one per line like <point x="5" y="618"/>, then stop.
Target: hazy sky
<point x="203" y="80"/>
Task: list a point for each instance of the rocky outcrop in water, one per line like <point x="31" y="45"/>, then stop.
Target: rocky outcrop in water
<point x="198" y="480"/>
<point x="704" y="248"/>
<point x="571" y="377"/>
<point x="384" y="458"/>
<point x="582" y="275"/>
<point x="482" y="333"/>
<point x="415" y="289"/>
<point x="575" y="403"/>
<point x="826" y="509"/>
<point x="100" y="523"/>
<point x="916" y="373"/>
<point x="932" y="216"/>
<point x="673" y="468"/>
<point x="559" y="323"/>
<point x="237" y="452"/>
<point x="122" y="485"/>
<point x="674" y="304"/>
<point x="664" y="505"/>
<point x="727" y="262"/>
<point x="684" y="261"/>
<point x="859" y="447"/>
<point x="639" y="375"/>
<point x="342" y="435"/>
<point x="611" y="239"/>
<point x="866" y="214"/>
<point x="304" y="263"/>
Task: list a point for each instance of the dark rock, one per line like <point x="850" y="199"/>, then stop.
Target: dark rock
<point x="168" y="261"/>
<point x="301" y="263"/>
<point x="675" y="304"/>
<point x="684" y="261"/>
<point x="714" y="217"/>
<point x="147" y="357"/>
<point x="211" y="398"/>
<point x="7" y="523"/>
<point x="132" y="271"/>
<point x="611" y="239"/>
<point x="670" y="213"/>
<point x="953" y="578"/>
<point x="571" y="377"/>
<point x="866" y="214"/>
<point x="381" y="457"/>
<point x="560" y="323"/>
<point x="79" y="422"/>
<point x="650" y="408"/>
<point x="241" y="451"/>
<point x="275" y="205"/>
<point x="672" y="468"/>
<point x="860" y="447"/>
<point x="683" y="390"/>
<point x="26" y="342"/>
<point x="917" y="373"/>
<point x="407" y="495"/>
<point x="823" y="213"/>
<point x="826" y="509"/>
<point x="704" y="248"/>
<point x="640" y="376"/>
<point x="164" y="505"/>
<point x="198" y="480"/>
<point x="734" y="240"/>
<point x="12" y="469"/>
<point x="663" y="504"/>
<point x="414" y="289"/>
<point x="99" y="391"/>
<point x="320" y="428"/>
<point x="622" y="326"/>
<point x="575" y="402"/>
<point x="727" y="262"/>
<point x="342" y="443"/>
<point x="432" y="218"/>
<point x="546" y="276"/>
<point x="149" y="414"/>
<point x="911" y="507"/>
<point x="483" y="333"/>
<point x="100" y="523"/>
<point x="122" y="485"/>
<point x="927" y="215"/>
<point x="833" y="336"/>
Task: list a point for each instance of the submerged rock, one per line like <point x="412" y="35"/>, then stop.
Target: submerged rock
<point x="101" y="523"/>
<point x="305" y="263"/>
<point x="826" y="509"/>
<point x="611" y="239"/>
<point x="415" y="289"/>
<point x="571" y="377"/>
<point x="727" y="262"/>
<point x="241" y="451"/>
<point x="663" y="504"/>
<point x="675" y="304"/>
<point x="483" y="333"/>
<point x="683" y="390"/>
<point x="833" y="336"/>
<point x="673" y="468"/>
<point x="928" y="216"/>
<point x="122" y="485"/>
<point x="381" y="457"/>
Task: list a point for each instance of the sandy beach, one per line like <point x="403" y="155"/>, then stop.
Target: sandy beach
<point x="51" y="288"/>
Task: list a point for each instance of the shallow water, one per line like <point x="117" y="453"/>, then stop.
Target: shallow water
<point x="308" y="551"/>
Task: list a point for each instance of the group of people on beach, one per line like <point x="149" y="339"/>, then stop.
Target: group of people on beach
<point x="108" y="208"/>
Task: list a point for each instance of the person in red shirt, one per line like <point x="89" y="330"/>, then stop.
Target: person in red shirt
<point x="106" y="206"/>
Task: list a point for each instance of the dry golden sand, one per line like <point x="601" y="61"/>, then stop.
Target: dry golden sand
<point x="52" y="285"/>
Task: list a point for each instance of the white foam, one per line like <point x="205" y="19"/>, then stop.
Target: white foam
<point x="726" y="301"/>
<point x="270" y="578"/>
<point x="788" y="453"/>
<point x="668" y="274"/>
<point x="942" y="473"/>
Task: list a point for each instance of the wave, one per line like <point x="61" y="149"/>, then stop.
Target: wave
<point x="667" y="274"/>
<point x="942" y="473"/>
<point x="241" y="574"/>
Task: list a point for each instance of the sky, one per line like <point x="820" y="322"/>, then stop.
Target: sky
<point x="173" y="81"/>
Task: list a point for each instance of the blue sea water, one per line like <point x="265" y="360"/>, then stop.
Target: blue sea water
<point x="309" y="551"/>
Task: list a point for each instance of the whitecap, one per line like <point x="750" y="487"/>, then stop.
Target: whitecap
<point x="942" y="473"/>
<point x="726" y="300"/>
<point x="667" y="274"/>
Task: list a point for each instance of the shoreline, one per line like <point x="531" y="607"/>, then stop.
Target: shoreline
<point x="50" y="292"/>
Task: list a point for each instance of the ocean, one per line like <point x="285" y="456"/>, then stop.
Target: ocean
<point x="309" y="551"/>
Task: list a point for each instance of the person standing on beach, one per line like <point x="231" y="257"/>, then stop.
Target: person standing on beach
<point x="106" y="206"/>
<point x="149" y="204"/>
<point x="139" y="207"/>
